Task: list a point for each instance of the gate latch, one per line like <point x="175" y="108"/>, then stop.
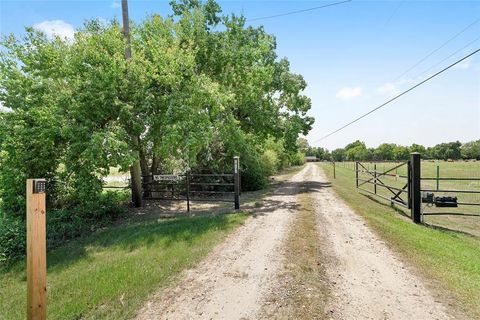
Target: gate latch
<point x="446" y="202"/>
<point x="428" y="197"/>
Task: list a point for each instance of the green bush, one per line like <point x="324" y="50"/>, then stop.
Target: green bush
<point x="270" y="162"/>
<point x="254" y="178"/>
<point x="62" y="225"/>
<point x="12" y="239"/>
<point x="297" y="159"/>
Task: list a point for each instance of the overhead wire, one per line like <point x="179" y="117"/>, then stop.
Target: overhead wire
<point x="399" y="95"/>
<point x="437" y="49"/>
<point x="447" y="57"/>
<point x="298" y="11"/>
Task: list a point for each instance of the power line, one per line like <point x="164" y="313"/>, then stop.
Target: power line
<point x="298" y="11"/>
<point x="437" y="49"/>
<point x="394" y="12"/>
<point x="399" y="95"/>
<point x="449" y="56"/>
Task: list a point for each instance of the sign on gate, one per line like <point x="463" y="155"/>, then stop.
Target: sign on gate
<point x="206" y="187"/>
<point x="165" y="177"/>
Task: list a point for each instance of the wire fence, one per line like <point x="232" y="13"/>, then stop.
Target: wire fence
<point x="450" y="190"/>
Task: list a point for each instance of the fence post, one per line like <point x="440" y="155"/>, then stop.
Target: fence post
<point x="416" y="187"/>
<point x="438" y="176"/>
<point x="334" y="174"/>
<point x="187" y="179"/>
<point x="36" y="250"/>
<point x="356" y="174"/>
<point x="236" y="181"/>
<point x="375" y="178"/>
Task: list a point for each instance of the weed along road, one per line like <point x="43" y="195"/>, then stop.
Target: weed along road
<point x="254" y="274"/>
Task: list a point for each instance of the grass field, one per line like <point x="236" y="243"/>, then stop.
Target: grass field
<point x="457" y="169"/>
<point x="111" y="273"/>
<point x="450" y="260"/>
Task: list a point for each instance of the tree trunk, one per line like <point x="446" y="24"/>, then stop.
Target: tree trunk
<point x="136" y="184"/>
<point x="135" y="169"/>
<point x="155" y="164"/>
<point x="143" y="160"/>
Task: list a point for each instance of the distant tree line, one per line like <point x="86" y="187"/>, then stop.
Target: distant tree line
<point x="358" y="151"/>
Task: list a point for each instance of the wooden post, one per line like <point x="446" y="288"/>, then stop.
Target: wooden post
<point x="334" y="174"/>
<point x="236" y="181"/>
<point x="36" y="250"/>
<point x="375" y="178"/>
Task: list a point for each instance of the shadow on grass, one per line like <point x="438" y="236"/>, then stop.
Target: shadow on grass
<point x="428" y="225"/>
<point x="135" y="234"/>
<point x="449" y="230"/>
<point x="391" y="206"/>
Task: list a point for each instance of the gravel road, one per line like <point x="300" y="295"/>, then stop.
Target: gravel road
<point x="367" y="280"/>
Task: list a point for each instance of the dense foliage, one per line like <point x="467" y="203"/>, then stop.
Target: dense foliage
<point x="357" y="150"/>
<point x="200" y="87"/>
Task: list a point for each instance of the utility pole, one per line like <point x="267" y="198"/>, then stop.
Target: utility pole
<point x="135" y="169"/>
<point x="126" y="29"/>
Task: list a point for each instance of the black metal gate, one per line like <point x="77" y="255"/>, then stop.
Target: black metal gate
<point x="393" y="178"/>
<point x="192" y="187"/>
<point x="400" y="183"/>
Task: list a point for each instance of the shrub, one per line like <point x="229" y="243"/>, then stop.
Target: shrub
<point x="270" y="162"/>
<point x="254" y="174"/>
<point x="62" y="225"/>
<point x="297" y="159"/>
<point x="12" y="239"/>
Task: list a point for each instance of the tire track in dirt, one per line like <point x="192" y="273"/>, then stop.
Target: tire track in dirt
<point x="236" y="280"/>
<point x="232" y="282"/>
<point x="367" y="280"/>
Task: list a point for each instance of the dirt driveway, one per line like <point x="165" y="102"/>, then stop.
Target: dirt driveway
<point x="236" y="279"/>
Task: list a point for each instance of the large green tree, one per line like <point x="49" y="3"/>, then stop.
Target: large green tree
<point x="191" y="91"/>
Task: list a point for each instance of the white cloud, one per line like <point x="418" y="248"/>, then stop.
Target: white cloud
<point x="115" y="5"/>
<point x="348" y="93"/>
<point x="465" y="64"/>
<point x="4" y="109"/>
<point x="56" y="28"/>
<point x="387" y="89"/>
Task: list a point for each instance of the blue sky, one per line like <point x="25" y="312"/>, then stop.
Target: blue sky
<point x="350" y="54"/>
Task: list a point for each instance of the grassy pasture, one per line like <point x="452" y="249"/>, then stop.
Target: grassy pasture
<point x="449" y="260"/>
<point x="458" y="169"/>
<point x="111" y="273"/>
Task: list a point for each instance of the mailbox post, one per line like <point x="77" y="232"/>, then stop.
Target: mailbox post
<point x="36" y="250"/>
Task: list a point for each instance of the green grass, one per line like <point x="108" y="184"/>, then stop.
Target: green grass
<point x="450" y="260"/>
<point x="110" y="274"/>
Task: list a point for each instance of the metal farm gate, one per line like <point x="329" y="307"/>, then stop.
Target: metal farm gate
<point x="395" y="186"/>
<point x="401" y="184"/>
<point x="188" y="187"/>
